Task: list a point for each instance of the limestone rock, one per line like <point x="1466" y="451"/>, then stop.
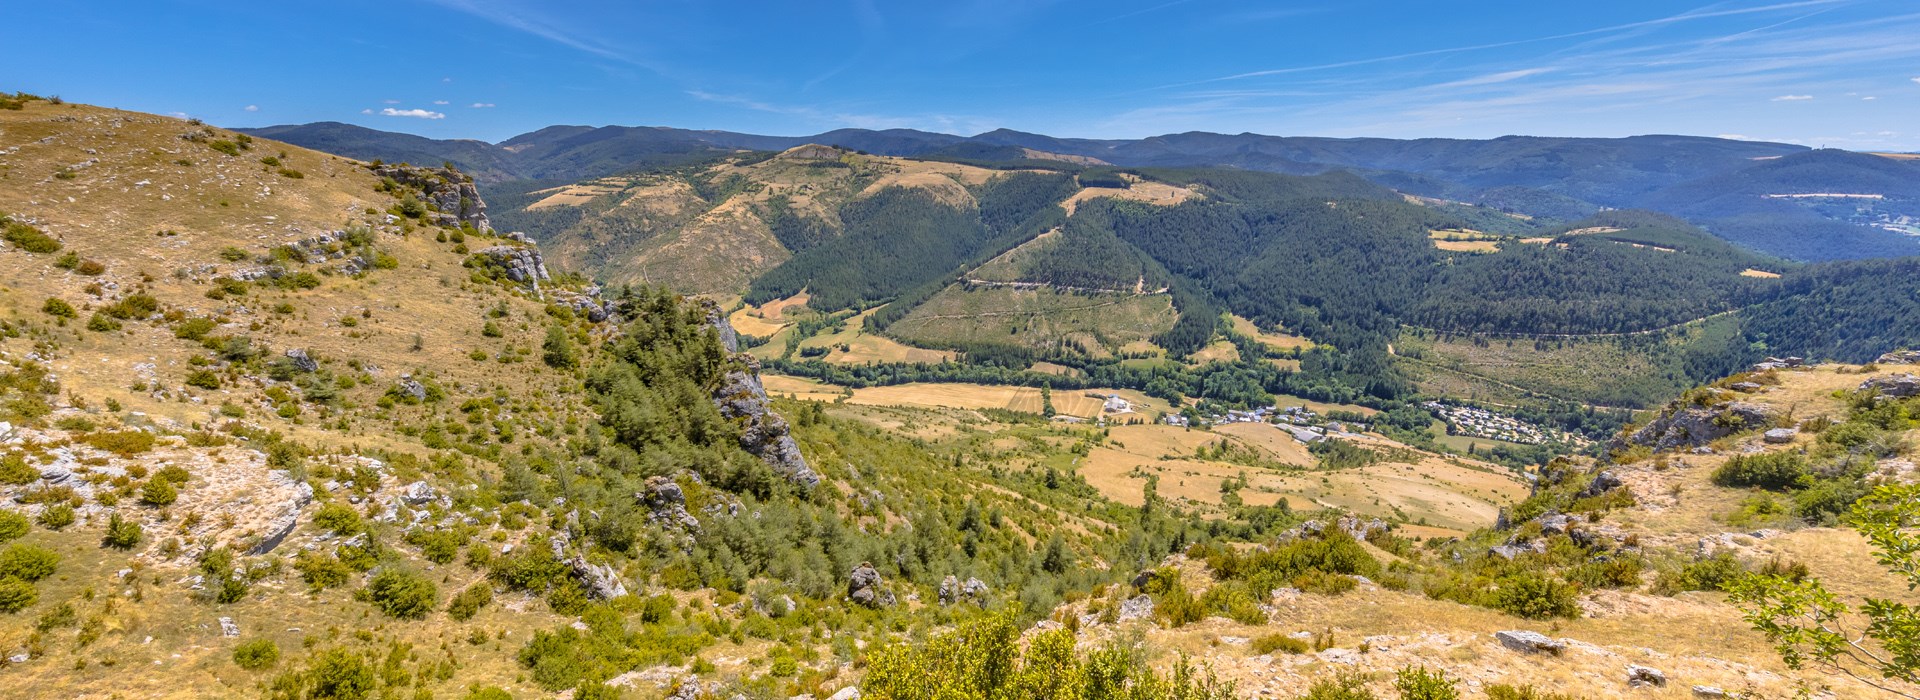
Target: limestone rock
<point x="742" y="399"/>
<point x="666" y="504"/>
<point x="228" y="628"/>
<point x="1530" y="642"/>
<point x="1780" y="436"/>
<point x="1897" y="386"/>
<point x="1692" y="425"/>
<point x="1136" y="608"/>
<point x="847" y="693"/>
<point x="300" y="360"/>
<point x="1603" y="482"/>
<point x="953" y="591"/>
<point x="520" y="264"/>
<point x="1645" y="676"/>
<point x="864" y="587"/>
<point x="417" y="493"/>
<point x="1900" y="357"/>
<point x="1708" y="691"/>
<point x="449" y="191"/>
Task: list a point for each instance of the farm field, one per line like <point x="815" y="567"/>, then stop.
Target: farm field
<point x="1097" y="324"/>
<point x="1447" y="495"/>
<point x="1278" y="340"/>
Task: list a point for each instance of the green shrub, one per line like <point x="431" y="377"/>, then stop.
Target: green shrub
<point x="58" y="307"/>
<point x="15" y="471"/>
<point x="1503" y="691"/>
<point x="16" y="595"/>
<point x="321" y="571"/>
<point x="338" y="518"/>
<point x="1346" y="686"/>
<point x="256" y="654"/>
<point x="28" y="238"/>
<point x="102" y="323"/>
<point x="134" y="306"/>
<point x="402" y="593"/>
<point x="121" y="533"/>
<point x="487" y="693"/>
<point x="1777" y="471"/>
<point x="1417" y="683"/>
<point x="56" y="516"/>
<point x="27" y="562"/>
<point x="1268" y="644"/>
<point x="468" y="603"/>
<point x="339" y="674"/>
<point x="125" y="443"/>
<point x="195" y="329"/>
<point x="233" y="254"/>
<point x="158" y="493"/>
<point x="204" y="379"/>
<point x="13" y="525"/>
<point x="1535" y="597"/>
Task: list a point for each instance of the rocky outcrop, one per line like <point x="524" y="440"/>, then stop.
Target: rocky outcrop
<point x="1779" y="436"/>
<point x="1529" y="642"/>
<point x="865" y="587"/>
<point x="521" y="264"/>
<point x="742" y="399"/>
<point x="1139" y="607"/>
<point x="666" y="505"/>
<point x="450" y="192"/>
<point x="300" y="360"/>
<point x="1645" y="677"/>
<point x="1692" y="425"/>
<point x="953" y="591"/>
<point x="1897" y="386"/>
<point x="1602" y="482"/>
<point x="1900" y="357"/>
<point x="602" y="582"/>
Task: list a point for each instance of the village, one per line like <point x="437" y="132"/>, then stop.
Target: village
<point x="1481" y="423"/>
<point x="1301" y="422"/>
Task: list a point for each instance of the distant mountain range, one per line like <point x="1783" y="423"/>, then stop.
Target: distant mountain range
<point x="1726" y="186"/>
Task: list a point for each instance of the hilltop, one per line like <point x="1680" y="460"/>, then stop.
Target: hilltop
<point x="1705" y="179"/>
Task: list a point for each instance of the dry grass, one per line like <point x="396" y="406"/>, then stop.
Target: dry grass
<point x="1156" y="193"/>
<point x="1467" y="246"/>
<point x="1762" y="274"/>
<point x="1277" y="339"/>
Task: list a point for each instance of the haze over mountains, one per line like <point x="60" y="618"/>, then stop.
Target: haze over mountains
<point x="1731" y="187"/>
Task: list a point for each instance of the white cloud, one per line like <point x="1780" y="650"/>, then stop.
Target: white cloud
<point x="446" y="80"/>
<point x="1869" y="98"/>
<point x="413" y="113"/>
<point x="1792" y="98"/>
<point x="439" y="102"/>
<point x="391" y="102"/>
<point x="366" y="111"/>
<point x="253" y="108"/>
<point x="481" y="105"/>
<point x="1917" y="80"/>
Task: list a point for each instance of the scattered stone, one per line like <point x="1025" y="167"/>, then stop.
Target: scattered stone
<point x="847" y="693"/>
<point x="1529" y="642"/>
<point x="413" y="388"/>
<point x="953" y="591"/>
<point x="18" y="659"/>
<point x="228" y="628"/>
<point x="1645" y="676"/>
<point x="1747" y="387"/>
<point x="1708" y="691"/>
<point x="1780" y="436"/>
<point x="55" y="475"/>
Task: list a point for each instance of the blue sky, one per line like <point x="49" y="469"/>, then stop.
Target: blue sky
<point x="1843" y="73"/>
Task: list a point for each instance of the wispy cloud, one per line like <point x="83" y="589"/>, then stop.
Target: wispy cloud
<point x="481" y="105"/>
<point x="440" y="102"/>
<point x="506" y="14"/>
<point x="251" y="108"/>
<point x="391" y="102"/>
<point x="1704" y="13"/>
<point x="412" y="113"/>
<point x="1792" y="98"/>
